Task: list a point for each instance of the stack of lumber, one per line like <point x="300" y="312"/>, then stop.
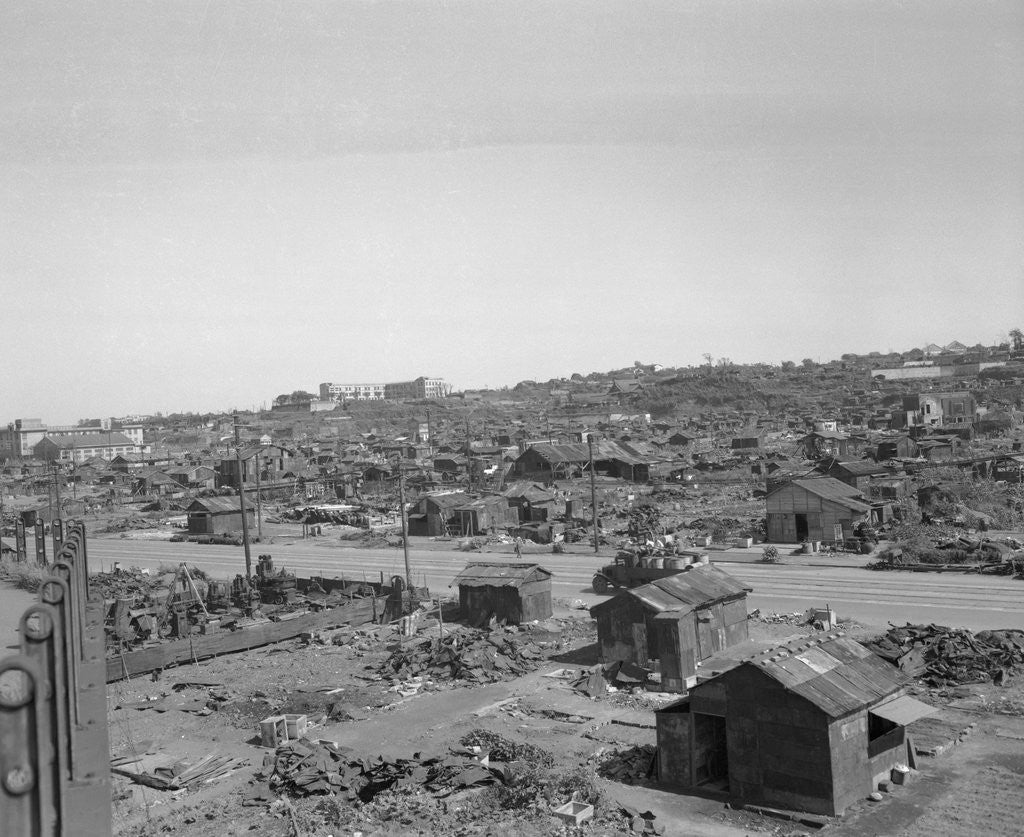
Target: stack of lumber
<point x="183" y="774"/>
<point x="949" y="656"/>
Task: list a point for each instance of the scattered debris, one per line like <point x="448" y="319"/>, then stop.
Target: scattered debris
<point x="637" y="764"/>
<point x="504" y="749"/>
<point x="641" y="822"/>
<point x="303" y="767"/>
<point x="945" y="656"/>
<point x="476" y="656"/>
<point x="182" y="774"/>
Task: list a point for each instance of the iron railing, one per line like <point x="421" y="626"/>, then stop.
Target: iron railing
<point x="54" y="747"/>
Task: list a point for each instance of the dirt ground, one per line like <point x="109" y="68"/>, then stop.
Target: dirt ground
<point x="971" y="789"/>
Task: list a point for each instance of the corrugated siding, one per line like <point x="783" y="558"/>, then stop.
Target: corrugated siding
<point x="674" y="746"/>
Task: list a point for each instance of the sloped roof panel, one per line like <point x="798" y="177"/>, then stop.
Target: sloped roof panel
<point x="493" y="574"/>
<point x="836" y="674"/>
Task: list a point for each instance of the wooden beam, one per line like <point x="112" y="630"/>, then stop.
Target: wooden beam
<point x="202" y="646"/>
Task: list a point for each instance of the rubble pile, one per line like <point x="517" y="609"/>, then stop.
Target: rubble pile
<point x="313" y="514"/>
<point x="500" y="748"/>
<point x="599" y="680"/>
<point x="477" y="656"/>
<point x="797" y="618"/>
<point x="136" y="583"/>
<point x="947" y="656"/>
<point x="304" y="768"/>
<point x="637" y="764"/>
<point x="125" y="524"/>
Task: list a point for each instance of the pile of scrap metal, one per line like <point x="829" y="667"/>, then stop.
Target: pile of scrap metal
<point x="172" y="605"/>
<point x="644" y="523"/>
<point x="967" y="554"/>
<point x="621" y="674"/>
<point x="137" y="613"/>
<point x="274" y="588"/>
<point x="636" y="764"/>
<point x="345" y="516"/>
<point x="949" y="656"/>
<point x="466" y="654"/>
<point x="304" y="767"/>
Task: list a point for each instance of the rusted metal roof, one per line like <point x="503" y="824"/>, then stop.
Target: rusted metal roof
<point x="218" y="505"/>
<point x="833" y="491"/>
<point x="835" y="673"/>
<point x="861" y="467"/>
<point x="696" y="587"/>
<point x="497" y="574"/>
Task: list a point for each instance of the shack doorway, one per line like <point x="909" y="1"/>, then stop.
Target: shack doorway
<point x="801" y="527"/>
<point x="710" y="753"/>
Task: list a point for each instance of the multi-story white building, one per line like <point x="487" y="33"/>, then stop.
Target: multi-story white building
<point x="79" y="447"/>
<point x="420" y="388"/>
<point x="19" y="439"/>
<point x="352" y="392"/>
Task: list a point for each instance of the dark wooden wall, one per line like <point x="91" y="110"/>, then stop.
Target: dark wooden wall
<point x="778" y="743"/>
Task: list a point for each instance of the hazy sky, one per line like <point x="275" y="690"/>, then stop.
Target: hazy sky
<point x="205" y="204"/>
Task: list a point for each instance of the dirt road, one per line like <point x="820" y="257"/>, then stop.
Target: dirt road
<point x="873" y="598"/>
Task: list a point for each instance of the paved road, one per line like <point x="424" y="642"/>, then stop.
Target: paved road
<point x="873" y="598"/>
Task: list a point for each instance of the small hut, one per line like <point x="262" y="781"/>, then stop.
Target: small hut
<point x="510" y="593"/>
<point x="217" y="515"/>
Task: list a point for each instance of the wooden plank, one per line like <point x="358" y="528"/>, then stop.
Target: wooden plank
<point x="202" y="646"/>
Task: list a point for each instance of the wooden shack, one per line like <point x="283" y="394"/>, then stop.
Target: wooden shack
<point x="434" y="514"/>
<point x="678" y="620"/>
<point x="814" y="509"/>
<point x="217" y="515"/>
<point x="811" y="725"/>
<point x="510" y="593"/>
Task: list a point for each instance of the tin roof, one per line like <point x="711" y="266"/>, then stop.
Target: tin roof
<point x="497" y="574"/>
<point x="832" y="490"/>
<point x="860" y="467"/>
<point x="685" y="591"/>
<point x="603" y="450"/>
<point x="834" y="672"/>
<point x="89" y="440"/>
<point x="218" y="505"/>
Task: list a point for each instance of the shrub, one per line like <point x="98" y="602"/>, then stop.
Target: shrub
<point x="24" y="575"/>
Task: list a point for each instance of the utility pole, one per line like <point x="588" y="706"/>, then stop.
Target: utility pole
<point x="49" y="498"/>
<point x="405" y="528"/>
<point x="259" y="502"/>
<point x="593" y="487"/>
<point x="56" y="491"/>
<point x="241" y="505"/>
<point x="469" y="459"/>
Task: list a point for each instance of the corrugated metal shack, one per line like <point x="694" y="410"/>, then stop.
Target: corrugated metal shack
<point x="811" y="725"/>
<point x="677" y="620"/>
<point x="485" y="515"/>
<point x="511" y="593"/>
<point x="814" y="509"/>
<point x="217" y="515"/>
<point x="434" y="514"/>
